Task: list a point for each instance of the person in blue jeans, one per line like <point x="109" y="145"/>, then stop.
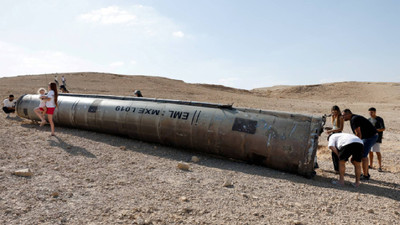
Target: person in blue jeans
<point x="363" y="129"/>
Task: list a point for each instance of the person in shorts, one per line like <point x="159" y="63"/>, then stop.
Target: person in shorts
<point x="41" y="110"/>
<point x="363" y="129"/>
<point x="379" y="124"/>
<point x="345" y="145"/>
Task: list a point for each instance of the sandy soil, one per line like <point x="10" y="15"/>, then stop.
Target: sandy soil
<point x="83" y="177"/>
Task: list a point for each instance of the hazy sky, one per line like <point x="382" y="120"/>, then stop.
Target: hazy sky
<point x="242" y="44"/>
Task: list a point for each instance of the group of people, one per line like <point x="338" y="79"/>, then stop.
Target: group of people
<point x="63" y="87"/>
<point x="366" y="139"/>
<point x="47" y="106"/>
<point x="48" y="102"/>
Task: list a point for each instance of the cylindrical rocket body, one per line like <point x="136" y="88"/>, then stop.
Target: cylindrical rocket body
<point x="277" y="140"/>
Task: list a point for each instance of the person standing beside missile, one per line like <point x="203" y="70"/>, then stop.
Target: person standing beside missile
<point x="379" y="124"/>
<point x="51" y="104"/>
<point x="363" y="129"/>
<point x="337" y="127"/>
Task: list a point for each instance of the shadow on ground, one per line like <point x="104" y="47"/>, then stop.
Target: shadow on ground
<point x="385" y="189"/>
<point x="56" y="141"/>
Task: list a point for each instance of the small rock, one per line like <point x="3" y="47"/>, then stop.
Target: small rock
<point x="296" y="222"/>
<point x="244" y="195"/>
<point x="69" y="147"/>
<point x="195" y="159"/>
<point x="183" y="166"/>
<point x="370" y="211"/>
<point x="155" y="147"/>
<point x="184" y="199"/>
<point x="55" y="194"/>
<point x="227" y="183"/>
<point x="23" y="173"/>
<point x="123" y="148"/>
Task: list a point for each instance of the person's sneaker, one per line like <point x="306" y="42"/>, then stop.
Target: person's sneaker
<point x="370" y="167"/>
<point x="380" y="169"/>
<point x="363" y="177"/>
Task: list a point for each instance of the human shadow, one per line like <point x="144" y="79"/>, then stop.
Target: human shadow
<point x="69" y="148"/>
<point x="15" y="118"/>
<point x="372" y="180"/>
<point x="387" y="189"/>
<point x="56" y="141"/>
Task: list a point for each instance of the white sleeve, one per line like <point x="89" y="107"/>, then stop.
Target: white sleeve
<point x="50" y="94"/>
<point x="332" y="141"/>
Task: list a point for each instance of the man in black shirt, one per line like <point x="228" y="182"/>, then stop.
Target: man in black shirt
<point x="379" y="124"/>
<point x="363" y="129"/>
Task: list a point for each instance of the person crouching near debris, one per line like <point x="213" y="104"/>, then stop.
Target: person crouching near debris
<point x="345" y="145"/>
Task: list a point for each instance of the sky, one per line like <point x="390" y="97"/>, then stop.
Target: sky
<point x="242" y="44"/>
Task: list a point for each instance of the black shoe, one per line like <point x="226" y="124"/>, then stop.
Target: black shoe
<point x="363" y="177"/>
<point x="316" y="166"/>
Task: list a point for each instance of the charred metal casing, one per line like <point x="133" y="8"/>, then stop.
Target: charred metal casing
<point x="278" y="140"/>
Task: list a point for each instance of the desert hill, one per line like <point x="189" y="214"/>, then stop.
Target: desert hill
<point x="309" y="99"/>
<point x="85" y="177"/>
<point x="342" y="91"/>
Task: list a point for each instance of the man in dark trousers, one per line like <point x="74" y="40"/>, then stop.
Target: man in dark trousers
<point x="363" y="129"/>
<point x="379" y="124"/>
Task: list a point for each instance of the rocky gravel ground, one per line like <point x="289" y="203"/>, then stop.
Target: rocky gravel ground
<point x="83" y="177"/>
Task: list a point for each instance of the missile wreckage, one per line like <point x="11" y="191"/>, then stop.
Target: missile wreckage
<point x="279" y="140"/>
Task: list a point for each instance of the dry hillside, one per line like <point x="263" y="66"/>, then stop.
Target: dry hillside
<point x="84" y="177"/>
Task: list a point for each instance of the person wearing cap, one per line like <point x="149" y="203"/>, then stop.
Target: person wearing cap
<point x="137" y="93"/>
<point x="345" y="145"/>
<point x="9" y="105"/>
<point x="379" y="124"/>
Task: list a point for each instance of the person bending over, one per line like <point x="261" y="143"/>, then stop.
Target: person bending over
<point x="363" y="129"/>
<point x="345" y="145"/>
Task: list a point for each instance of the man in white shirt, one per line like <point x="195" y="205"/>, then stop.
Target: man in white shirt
<point x="345" y="145"/>
<point x="9" y="105"/>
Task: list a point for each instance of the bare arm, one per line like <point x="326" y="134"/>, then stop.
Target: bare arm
<point x="339" y="129"/>
<point x="334" y="149"/>
<point x="357" y="132"/>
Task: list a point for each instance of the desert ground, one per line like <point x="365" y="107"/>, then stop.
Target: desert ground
<point x="85" y="177"/>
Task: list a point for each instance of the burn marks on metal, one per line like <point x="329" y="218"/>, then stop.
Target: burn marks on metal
<point x="245" y="125"/>
<point x="93" y="107"/>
